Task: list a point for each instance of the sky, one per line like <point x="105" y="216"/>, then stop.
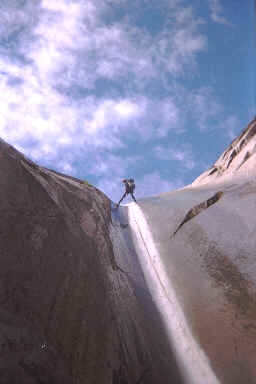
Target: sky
<point x="109" y="89"/>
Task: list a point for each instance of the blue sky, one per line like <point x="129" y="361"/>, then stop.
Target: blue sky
<point x="108" y="89"/>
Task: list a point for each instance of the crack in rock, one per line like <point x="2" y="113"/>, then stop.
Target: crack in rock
<point x="215" y="169"/>
<point x="199" y="208"/>
<point x="232" y="156"/>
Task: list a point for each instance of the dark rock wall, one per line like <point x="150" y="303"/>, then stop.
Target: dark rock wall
<point x="56" y="318"/>
<point x="69" y="313"/>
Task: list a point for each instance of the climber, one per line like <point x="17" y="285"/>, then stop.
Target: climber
<point x="129" y="188"/>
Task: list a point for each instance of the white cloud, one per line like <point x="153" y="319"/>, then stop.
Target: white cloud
<point x="71" y="31"/>
<point x="109" y="165"/>
<point x="184" y="155"/>
<point x="112" y="112"/>
<point x="199" y="106"/>
<point x="70" y="47"/>
<point x="231" y="127"/>
<point x="202" y="105"/>
<point x="66" y="168"/>
<point x="154" y="184"/>
<point x="17" y="20"/>
<point x="181" y="41"/>
<point x="169" y="117"/>
<point x="111" y="188"/>
<point x="126" y="109"/>
<point x="217" y="12"/>
<point x="54" y="105"/>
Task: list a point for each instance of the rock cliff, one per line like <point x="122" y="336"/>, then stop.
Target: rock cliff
<point x="205" y="237"/>
<point x="68" y="313"/>
<point x="237" y="161"/>
<point x="55" y="314"/>
<point x="77" y="304"/>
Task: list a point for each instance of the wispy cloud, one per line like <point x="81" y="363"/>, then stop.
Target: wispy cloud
<point x="111" y="166"/>
<point x="184" y="155"/>
<point x="153" y="184"/>
<point x="187" y="40"/>
<point x="67" y="168"/>
<point x="75" y="75"/>
<point x="51" y="99"/>
<point x="217" y="12"/>
<point x="199" y="106"/>
<point x="231" y="127"/>
<point x="203" y="106"/>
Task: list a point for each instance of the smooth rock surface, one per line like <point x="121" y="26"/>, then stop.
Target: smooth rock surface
<point x="69" y="313"/>
<point x="58" y="322"/>
<point x="162" y="292"/>
<point x="211" y="265"/>
<point x="203" y="249"/>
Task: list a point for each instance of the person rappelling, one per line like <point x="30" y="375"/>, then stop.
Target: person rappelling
<point x="129" y="188"/>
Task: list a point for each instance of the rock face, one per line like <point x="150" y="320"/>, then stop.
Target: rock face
<point x="237" y="161"/>
<point x="68" y="313"/>
<point x="76" y="303"/>
<point x="56" y="318"/>
<point x="205" y="238"/>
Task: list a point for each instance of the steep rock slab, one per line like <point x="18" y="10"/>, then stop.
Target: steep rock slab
<point x="58" y="316"/>
<point x="55" y="257"/>
<point x="73" y="313"/>
<point x="71" y="310"/>
<point x="210" y="263"/>
<point x="237" y="161"/>
<point x="149" y="357"/>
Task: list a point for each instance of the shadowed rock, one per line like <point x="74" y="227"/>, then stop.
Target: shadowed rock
<point x="69" y="314"/>
<point x="75" y="304"/>
<point x="55" y="258"/>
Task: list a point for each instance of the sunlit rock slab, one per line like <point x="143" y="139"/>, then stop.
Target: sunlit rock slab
<point x="210" y="262"/>
<point x="237" y="161"/>
<point x="201" y="246"/>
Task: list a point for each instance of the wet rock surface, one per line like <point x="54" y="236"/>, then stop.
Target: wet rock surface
<point x="148" y="356"/>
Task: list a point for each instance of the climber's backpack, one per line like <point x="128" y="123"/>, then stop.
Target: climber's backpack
<point x="131" y="185"/>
